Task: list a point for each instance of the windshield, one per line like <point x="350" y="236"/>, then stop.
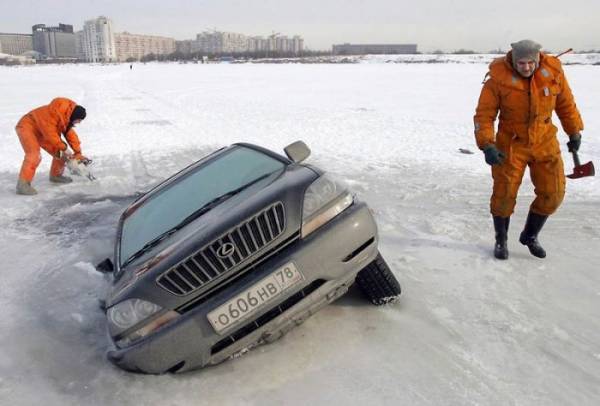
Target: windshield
<point x="229" y="172"/>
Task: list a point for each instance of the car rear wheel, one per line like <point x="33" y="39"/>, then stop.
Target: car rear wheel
<point x="378" y="283"/>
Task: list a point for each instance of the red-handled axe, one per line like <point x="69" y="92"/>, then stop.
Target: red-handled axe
<point x="580" y="171"/>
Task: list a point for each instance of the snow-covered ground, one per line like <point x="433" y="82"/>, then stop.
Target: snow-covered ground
<point x="469" y="330"/>
<point x="568" y="59"/>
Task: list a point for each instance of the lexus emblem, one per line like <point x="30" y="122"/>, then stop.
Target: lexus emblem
<point x="226" y="250"/>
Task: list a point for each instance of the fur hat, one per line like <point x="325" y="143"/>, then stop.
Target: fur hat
<point x="78" y="113"/>
<point x="525" y="49"/>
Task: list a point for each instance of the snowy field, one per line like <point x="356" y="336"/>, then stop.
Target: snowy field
<point x="567" y="59"/>
<point x="468" y="330"/>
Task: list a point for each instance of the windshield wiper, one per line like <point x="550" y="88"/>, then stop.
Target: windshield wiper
<point x="215" y="202"/>
<point x="206" y="207"/>
<point x="149" y="245"/>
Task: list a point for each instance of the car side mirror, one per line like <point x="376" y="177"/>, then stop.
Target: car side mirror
<point x="297" y="151"/>
<point x="105" y="266"/>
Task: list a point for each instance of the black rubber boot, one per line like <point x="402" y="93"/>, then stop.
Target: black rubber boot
<point x="501" y="227"/>
<point x="528" y="237"/>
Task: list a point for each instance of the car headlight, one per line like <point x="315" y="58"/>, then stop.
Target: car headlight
<point x="323" y="200"/>
<point x="129" y="313"/>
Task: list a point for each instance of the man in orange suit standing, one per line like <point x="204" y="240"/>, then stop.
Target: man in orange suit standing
<point x="525" y="87"/>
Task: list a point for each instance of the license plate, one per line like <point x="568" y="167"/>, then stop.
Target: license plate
<point x="246" y="303"/>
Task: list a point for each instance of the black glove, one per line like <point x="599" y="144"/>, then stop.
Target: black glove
<point x="493" y="156"/>
<point x="574" y="142"/>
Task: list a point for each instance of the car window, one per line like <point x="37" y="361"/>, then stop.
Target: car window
<point x="231" y="170"/>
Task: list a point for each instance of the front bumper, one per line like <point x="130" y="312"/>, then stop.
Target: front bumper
<point x="329" y="260"/>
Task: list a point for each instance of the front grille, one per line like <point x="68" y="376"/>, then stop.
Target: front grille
<point x="206" y="265"/>
<point x="241" y="275"/>
<point x="267" y="317"/>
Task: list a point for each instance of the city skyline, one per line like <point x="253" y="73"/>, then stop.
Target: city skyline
<point x="99" y="42"/>
<point x="432" y="24"/>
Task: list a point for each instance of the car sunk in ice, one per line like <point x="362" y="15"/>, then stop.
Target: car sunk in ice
<point x="234" y="251"/>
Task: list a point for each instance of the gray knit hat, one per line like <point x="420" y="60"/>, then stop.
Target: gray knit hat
<point x="525" y="49"/>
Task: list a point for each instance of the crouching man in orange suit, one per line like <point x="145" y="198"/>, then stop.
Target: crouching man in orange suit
<point x="42" y="128"/>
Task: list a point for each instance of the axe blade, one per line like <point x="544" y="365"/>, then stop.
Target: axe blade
<point x="581" y="171"/>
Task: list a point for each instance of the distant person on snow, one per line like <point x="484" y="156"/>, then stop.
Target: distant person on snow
<point x="42" y="128"/>
<point x="525" y="86"/>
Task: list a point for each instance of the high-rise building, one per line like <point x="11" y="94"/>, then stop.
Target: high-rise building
<point x="54" y="42"/>
<point x="184" y="47"/>
<point x="99" y="41"/>
<point x="364" y="49"/>
<point x="281" y="43"/>
<point x="297" y="44"/>
<point x="134" y="47"/>
<point x="257" y="44"/>
<point x="16" y="44"/>
<point x="79" y="40"/>
<point x="216" y="42"/>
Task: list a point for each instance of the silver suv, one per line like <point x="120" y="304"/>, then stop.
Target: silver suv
<point x="232" y="252"/>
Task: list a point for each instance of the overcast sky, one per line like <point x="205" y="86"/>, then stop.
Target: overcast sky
<point x="432" y="24"/>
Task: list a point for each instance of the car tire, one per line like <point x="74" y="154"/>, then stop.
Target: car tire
<point x="378" y="283"/>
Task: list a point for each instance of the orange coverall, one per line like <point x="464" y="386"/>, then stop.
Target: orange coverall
<point x="42" y="128"/>
<point x="526" y="134"/>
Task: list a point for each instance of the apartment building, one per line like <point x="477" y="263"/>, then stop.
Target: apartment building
<point x="134" y="47"/>
<point x="216" y="42"/>
<point x="15" y="44"/>
<point x="184" y="47"/>
<point x="79" y="40"/>
<point x="364" y="49"/>
<point x="296" y="44"/>
<point x="98" y="41"/>
<point x="257" y="44"/>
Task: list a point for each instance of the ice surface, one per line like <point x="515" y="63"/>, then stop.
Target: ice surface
<point x="468" y="330"/>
